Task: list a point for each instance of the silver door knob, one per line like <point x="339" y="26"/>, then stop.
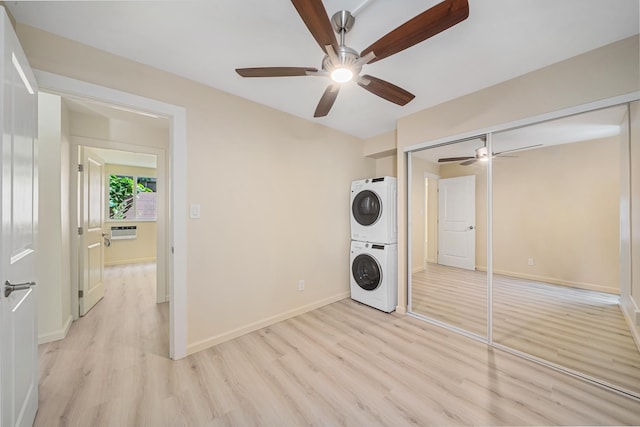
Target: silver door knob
<point x="470" y="227"/>
<point x="10" y="287"/>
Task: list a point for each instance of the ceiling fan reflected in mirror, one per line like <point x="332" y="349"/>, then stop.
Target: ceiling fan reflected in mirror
<point x="482" y="155"/>
<point x="343" y="64"/>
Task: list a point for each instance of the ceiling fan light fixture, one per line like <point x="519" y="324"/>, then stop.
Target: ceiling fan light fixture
<point x="341" y="74"/>
<point x="343" y="64"/>
<point x="482" y="154"/>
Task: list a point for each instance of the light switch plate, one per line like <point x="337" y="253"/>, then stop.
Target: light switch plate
<point x="195" y="210"/>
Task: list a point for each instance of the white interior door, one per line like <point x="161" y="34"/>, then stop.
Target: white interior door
<point x="91" y="240"/>
<point x="18" y="327"/>
<point x="457" y="222"/>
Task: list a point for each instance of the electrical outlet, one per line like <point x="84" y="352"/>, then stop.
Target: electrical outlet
<point x="530" y="261"/>
<point x="301" y="285"/>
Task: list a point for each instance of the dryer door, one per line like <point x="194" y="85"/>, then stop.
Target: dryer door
<point x="366" y="207"/>
<point x="366" y="272"/>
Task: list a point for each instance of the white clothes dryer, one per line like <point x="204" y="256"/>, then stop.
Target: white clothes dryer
<point x="374" y="215"/>
<point x="374" y="275"/>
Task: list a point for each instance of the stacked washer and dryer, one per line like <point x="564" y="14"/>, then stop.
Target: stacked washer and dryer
<point x="374" y="238"/>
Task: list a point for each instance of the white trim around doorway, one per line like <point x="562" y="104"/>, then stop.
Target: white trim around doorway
<point x="178" y="188"/>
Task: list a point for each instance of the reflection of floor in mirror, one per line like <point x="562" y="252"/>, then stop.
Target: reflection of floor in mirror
<point x="581" y="329"/>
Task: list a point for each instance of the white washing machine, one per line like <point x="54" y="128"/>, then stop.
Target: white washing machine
<point x="374" y="275"/>
<point x="374" y="215"/>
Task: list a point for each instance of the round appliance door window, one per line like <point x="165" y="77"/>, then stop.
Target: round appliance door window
<point x="366" y="207"/>
<point x="366" y="272"/>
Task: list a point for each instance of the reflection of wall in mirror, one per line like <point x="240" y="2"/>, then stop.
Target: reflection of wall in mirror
<point x="557" y="205"/>
<point x="418" y="247"/>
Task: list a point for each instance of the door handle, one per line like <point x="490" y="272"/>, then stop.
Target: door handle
<point x="10" y="287"/>
<point x="470" y="227"/>
<point x="107" y="241"/>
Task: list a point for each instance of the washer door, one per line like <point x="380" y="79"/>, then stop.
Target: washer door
<point x="366" y="272"/>
<point x="366" y="207"/>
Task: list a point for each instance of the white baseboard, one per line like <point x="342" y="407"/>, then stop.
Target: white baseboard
<point x="234" y="333"/>
<point x="56" y="335"/>
<point x="555" y="281"/>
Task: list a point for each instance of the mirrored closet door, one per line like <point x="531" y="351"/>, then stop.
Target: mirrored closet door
<point x="449" y="236"/>
<point x="555" y="243"/>
<point x="556" y="246"/>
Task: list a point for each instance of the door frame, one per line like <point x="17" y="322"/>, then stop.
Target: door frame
<point x="176" y="225"/>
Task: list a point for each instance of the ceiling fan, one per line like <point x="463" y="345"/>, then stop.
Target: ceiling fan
<point x="482" y="155"/>
<point x="342" y="63"/>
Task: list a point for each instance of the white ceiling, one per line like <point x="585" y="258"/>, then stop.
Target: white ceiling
<point x="206" y="40"/>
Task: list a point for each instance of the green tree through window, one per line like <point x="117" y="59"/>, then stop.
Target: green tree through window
<point x="121" y="195"/>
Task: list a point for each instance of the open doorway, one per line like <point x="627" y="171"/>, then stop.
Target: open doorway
<point x="121" y="200"/>
<point x="170" y="232"/>
<point x="176" y="171"/>
<point x="129" y="146"/>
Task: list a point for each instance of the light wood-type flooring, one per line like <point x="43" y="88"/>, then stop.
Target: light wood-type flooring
<point x="580" y="329"/>
<point x="345" y="364"/>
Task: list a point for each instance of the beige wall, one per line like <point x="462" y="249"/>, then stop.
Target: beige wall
<point x="379" y="146"/>
<point x="273" y="190"/>
<point x="132" y="251"/>
<point x="383" y="148"/>
<point x="387" y="166"/>
<point x="557" y="205"/>
<point x="143" y="247"/>
<point x="54" y="311"/>
<point x="602" y="73"/>
<point x="560" y="206"/>
<point x="105" y="129"/>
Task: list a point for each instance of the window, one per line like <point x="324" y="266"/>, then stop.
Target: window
<point x="128" y="201"/>
<point x="146" y="198"/>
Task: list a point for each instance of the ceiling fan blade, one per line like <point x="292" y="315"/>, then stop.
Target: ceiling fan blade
<point x="317" y="21"/>
<point x="274" y="71"/>
<point x="429" y="23"/>
<point x="454" y="159"/>
<point x="385" y="90"/>
<point x="469" y="162"/>
<point x="517" y="149"/>
<point x="326" y="102"/>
